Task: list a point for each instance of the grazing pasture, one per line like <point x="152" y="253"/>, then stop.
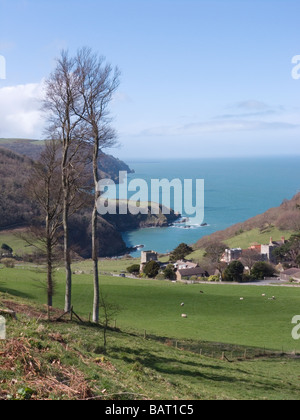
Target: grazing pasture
<point x="254" y="316"/>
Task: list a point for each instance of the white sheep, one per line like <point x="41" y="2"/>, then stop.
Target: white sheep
<point x="184" y="315"/>
<point x="182" y="304"/>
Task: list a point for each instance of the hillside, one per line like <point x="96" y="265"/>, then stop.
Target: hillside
<point x="16" y="209"/>
<point x="109" y="166"/>
<point x="43" y="360"/>
<point x="281" y="221"/>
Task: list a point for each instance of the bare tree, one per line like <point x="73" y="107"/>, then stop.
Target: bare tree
<point x="98" y="82"/>
<point x="250" y="257"/>
<point x="61" y="98"/>
<point x="45" y="189"/>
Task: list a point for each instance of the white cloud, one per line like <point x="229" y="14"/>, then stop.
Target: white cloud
<point x="20" y="114"/>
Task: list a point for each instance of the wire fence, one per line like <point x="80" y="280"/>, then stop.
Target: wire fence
<point x="221" y="351"/>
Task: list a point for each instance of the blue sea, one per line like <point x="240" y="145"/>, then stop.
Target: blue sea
<point x="235" y="190"/>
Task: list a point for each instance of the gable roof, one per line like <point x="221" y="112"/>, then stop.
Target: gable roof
<point x="292" y="271"/>
<point x="192" y="271"/>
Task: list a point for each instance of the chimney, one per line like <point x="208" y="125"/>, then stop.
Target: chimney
<point x="271" y="240"/>
<point x="283" y="239"/>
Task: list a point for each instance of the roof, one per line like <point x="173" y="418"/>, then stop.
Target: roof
<point x="291" y="271"/>
<point x="191" y="271"/>
<point x="184" y="265"/>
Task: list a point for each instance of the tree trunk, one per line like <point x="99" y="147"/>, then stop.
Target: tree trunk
<point x="67" y="258"/>
<point x="49" y="266"/>
<point x="95" y="235"/>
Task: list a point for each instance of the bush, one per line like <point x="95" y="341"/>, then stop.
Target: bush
<point x="160" y="276"/>
<point x="6" y="248"/>
<point x="151" y="269"/>
<point x="213" y="278"/>
<point x="169" y="272"/>
<point x="8" y="262"/>
<point x="234" y="272"/>
<point x="133" y="269"/>
<point x="262" y="269"/>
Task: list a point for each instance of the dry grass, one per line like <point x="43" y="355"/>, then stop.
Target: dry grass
<point x="65" y="382"/>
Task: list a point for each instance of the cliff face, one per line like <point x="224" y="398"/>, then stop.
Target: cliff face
<point x="110" y="227"/>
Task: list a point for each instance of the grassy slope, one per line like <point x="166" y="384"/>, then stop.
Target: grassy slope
<point x="217" y="315"/>
<point x="246" y="239"/>
<point x="132" y="368"/>
<point x="12" y="238"/>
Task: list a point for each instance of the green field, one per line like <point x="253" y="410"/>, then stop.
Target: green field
<point x="217" y="315"/>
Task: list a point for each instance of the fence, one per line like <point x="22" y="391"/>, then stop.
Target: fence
<point x="227" y="352"/>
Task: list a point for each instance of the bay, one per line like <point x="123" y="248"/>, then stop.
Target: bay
<point x="235" y="190"/>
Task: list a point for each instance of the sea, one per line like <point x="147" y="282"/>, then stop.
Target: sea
<point x="235" y="189"/>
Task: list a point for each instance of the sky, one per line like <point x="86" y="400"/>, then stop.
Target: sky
<point x="199" y="78"/>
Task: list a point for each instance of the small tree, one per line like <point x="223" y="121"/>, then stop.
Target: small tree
<point x="6" y="248"/>
<point x="133" y="269"/>
<point x="180" y="252"/>
<point x="8" y="262"/>
<point x="234" y="272"/>
<point x="262" y="269"/>
<point x="151" y="269"/>
<point x="109" y="311"/>
<point x="169" y="272"/>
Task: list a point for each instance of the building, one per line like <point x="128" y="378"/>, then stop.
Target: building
<point x="181" y="264"/>
<point x="267" y="250"/>
<point x="187" y="273"/>
<point x="291" y="273"/>
<point x="231" y="255"/>
<point x="147" y="256"/>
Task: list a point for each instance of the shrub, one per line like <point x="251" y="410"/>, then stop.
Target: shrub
<point x="8" y="262"/>
<point x="234" y="272"/>
<point x="213" y="278"/>
<point x="169" y="272"/>
<point x="133" y="269"/>
<point x="6" y="248"/>
<point x="262" y="269"/>
<point x="151" y="269"/>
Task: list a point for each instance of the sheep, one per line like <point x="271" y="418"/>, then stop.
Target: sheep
<point x="263" y="295"/>
<point x="182" y="304"/>
<point x="241" y="298"/>
<point x="183" y="315"/>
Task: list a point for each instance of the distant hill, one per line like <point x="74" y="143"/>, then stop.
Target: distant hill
<point x="109" y="166"/>
<point x="284" y="218"/>
<point x="15" y="208"/>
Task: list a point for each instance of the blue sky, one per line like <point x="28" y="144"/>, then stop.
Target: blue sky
<point x="199" y="78"/>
